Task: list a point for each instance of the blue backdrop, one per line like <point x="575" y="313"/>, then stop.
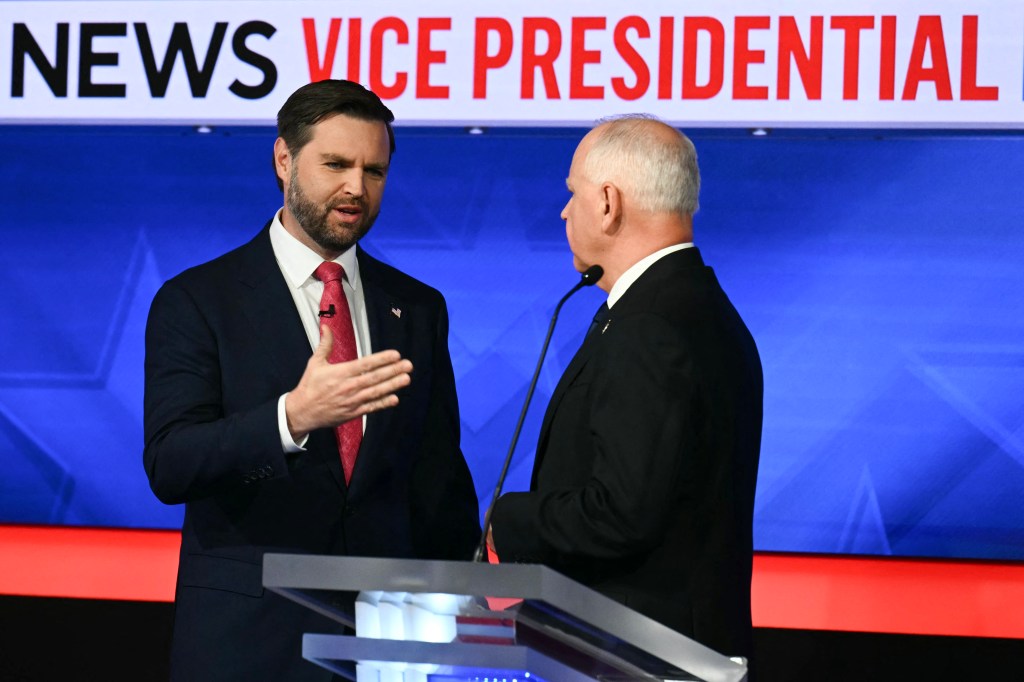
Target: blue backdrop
<point x="881" y="272"/>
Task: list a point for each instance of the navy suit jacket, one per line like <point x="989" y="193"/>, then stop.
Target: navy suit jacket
<point x="223" y="342"/>
<point x="643" y="483"/>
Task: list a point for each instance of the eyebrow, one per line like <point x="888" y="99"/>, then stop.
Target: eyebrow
<point x="329" y="157"/>
<point x="336" y="158"/>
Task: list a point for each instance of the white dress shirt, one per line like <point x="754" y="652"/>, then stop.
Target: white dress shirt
<point x="640" y="267"/>
<point x="297" y="262"/>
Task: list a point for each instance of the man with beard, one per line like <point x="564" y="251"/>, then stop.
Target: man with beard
<point x="300" y="398"/>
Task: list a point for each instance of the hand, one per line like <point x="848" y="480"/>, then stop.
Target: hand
<point x="490" y="540"/>
<point x="332" y="394"/>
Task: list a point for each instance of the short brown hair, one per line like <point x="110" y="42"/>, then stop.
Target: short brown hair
<point x="314" y="102"/>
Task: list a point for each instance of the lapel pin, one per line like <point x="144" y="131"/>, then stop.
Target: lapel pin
<point x="397" y="312"/>
<point x="606" y="325"/>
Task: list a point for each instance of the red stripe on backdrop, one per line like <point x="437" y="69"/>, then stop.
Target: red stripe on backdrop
<point x="866" y="594"/>
<point x="880" y="594"/>
<point x="88" y="563"/>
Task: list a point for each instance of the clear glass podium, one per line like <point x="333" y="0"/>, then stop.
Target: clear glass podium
<point x="444" y="621"/>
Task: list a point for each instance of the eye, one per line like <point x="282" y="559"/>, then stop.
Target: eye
<point x="376" y="172"/>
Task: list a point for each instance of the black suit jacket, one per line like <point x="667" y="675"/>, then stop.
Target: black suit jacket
<point x="643" y="484"/>
<point x="223" y="342"/>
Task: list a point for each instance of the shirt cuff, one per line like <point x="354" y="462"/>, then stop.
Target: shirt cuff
<point x="288" y="443"/>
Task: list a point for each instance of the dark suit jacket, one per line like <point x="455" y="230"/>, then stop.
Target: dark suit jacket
<point x="643" y="484"/>
<point x="223" y="342"/>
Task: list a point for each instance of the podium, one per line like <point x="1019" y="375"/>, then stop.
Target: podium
<point x="446" y="621"/>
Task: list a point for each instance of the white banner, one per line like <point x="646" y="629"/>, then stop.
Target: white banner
<point x="698" y="63"/>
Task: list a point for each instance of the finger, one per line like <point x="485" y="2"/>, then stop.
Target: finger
<point x="384" y="389"/>
<point x="376" y="360"/>
<point x="353" y="376"/>
<point x="384" y="403"/>
<point x="323" y="349"/>
<point x="348" y="400"/>
<point x="372" y="384"/>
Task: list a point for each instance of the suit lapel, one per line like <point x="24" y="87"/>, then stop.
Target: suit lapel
<point x="388" y="330"/>
<point x="274" y="322"/>
<point x="674" y="266"/>
<point x="576" y="365"/>
<point x="270" y="312"/>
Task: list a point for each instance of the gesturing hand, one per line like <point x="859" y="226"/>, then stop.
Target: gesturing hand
<point x="330" y="394"/>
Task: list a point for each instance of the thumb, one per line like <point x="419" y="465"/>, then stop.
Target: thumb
<point x="323" y="349"/>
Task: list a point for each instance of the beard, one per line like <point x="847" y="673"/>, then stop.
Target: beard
<point x="314" y="218"/>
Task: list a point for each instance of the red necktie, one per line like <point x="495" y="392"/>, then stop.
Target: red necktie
<point x="335" y="313"/>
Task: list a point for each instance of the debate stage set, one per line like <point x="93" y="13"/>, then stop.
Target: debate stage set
<point x="861" y="204"/>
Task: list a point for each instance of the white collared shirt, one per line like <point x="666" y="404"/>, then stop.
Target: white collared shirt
<point x="640" y="267"/>
<point x="297" y="262"/>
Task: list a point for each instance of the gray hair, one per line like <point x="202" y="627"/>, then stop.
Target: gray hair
<point x="659" y="174"/>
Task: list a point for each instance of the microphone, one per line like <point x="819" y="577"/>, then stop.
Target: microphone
<point x="589" y="277"/>
<point x="327" y="313"/>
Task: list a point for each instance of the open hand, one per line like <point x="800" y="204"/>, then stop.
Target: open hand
<point x="330" y="394"/>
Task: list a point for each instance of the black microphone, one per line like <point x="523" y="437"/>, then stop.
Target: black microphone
<point x="327" y="313"/>
<point x="590" y="276"/>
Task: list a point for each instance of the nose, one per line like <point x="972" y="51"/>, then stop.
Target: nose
<point x="352" y="183"/>
<point x="565" y="211"/>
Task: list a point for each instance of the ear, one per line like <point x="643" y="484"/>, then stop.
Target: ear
<point x="611" y="205"/>
<point x="282" y="159"/>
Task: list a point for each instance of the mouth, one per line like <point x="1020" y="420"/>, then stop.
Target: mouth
<point x="348" y="213"/>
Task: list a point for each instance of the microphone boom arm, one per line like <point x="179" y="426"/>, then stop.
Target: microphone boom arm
<point x="589" y="277"/>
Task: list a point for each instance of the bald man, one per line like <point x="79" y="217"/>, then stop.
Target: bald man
<point x="643" y="483"/>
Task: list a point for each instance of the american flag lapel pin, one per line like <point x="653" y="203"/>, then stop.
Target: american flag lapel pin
<point x="396" y="311"/>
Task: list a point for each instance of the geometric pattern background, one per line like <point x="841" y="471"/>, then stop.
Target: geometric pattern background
<point x="881" y="273"/>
